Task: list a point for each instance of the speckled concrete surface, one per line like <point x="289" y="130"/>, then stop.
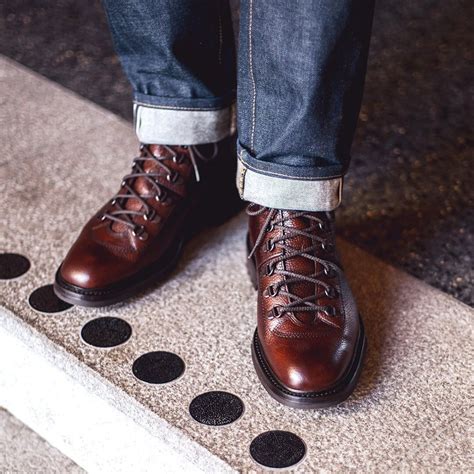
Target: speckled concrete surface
<point x="411" y="409"/>
<point x="23" y="451"/>
<point x="408" y="197"/>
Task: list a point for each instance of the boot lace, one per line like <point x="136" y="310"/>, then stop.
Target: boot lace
<point x="277" y="220"/>
<point x="119" y="212"/>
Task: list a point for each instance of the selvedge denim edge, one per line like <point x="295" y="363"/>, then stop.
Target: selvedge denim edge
<point x="181" y="125"/>
<point x="287" y="192"/>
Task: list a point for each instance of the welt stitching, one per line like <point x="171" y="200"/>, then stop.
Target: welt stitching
<point x="272" y="173"/>
<point x="300" y="335"/>
<point x="252" y="77"/>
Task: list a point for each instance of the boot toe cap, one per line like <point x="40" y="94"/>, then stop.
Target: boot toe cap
<point x="313" y="369"/>
<point x="89" y="267"/>
<point x="309" y="376"/>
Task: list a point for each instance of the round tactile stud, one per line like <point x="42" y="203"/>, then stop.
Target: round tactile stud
<point x="13" y="265"/>
<point x="106" y="331"/>
<point x="216" y="408"/>
<point x="158" y="367"/>
<point x="277" y="449"/>
<point x="44" y="300"/>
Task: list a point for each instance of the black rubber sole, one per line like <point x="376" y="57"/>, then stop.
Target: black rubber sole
<point x="122" y="290"/>
<point x="306" y="400"/>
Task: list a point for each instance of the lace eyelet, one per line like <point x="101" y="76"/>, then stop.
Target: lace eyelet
<point x="123" y="183"/>
<point x="178" y="159"/>
<point x="271" y="291"/>
<point x="269" y="270"/>
<point x="101" y="218"/>
<point x="322" y="225"/>
<point x="140" y="232"/>
<point x="161" y="197"/>
<point x="150" y="215"/>
<point x="330" y="292"/>
<point x="270" y="245"/>
<point x="113" y="201"/>
<point x="274" y="312"/>
<point x="172" y="177"/>
<point x="269" y="227"/>
<point x="329" y="272"/>
<point x="330" y="311"/>
<point x="327" y="246"/>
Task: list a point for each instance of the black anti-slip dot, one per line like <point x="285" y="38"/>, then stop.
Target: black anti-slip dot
<point x="216" y="408"/>
<point x="158" y="367"/>
<point x="13" y="265"/>
<point x="277" y="449"/>
<point x="106" y="331"/>
<point x="43" y="299"/>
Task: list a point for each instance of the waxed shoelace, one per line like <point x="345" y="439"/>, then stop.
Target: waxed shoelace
<point x="296" y="303"/>
<point x="125" y="216"/>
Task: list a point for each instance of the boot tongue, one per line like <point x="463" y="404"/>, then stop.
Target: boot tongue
<point x="143" y="186"/>
<point x="301" y="265"/>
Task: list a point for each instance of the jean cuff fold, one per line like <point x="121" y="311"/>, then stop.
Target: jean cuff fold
<point x="287" y="192"/>
<point x="170" y="125"/>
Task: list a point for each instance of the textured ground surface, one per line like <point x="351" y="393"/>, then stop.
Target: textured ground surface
<point x="23" y="451"/>
<point x="410" y="411"/>
<point x="409" y="197"/>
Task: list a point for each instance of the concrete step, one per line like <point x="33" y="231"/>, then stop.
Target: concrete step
<point x="62" y="157"/>
<point x="22" y="450"/>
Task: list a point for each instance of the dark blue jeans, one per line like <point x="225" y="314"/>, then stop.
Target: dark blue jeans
<point x="299" y="78"/>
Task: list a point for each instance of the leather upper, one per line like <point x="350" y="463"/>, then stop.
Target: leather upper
<point x="308" y="351"/>
<point x="107" y="250"/>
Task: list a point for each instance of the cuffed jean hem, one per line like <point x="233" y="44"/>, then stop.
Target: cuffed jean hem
<point x="171" y="125"/>
<point x="280" y="191"/>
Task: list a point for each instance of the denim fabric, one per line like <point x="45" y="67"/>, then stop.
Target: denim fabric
<point x="300" y="75"/>
<point x="300" y="78"/>
<point x="177" y="54"/>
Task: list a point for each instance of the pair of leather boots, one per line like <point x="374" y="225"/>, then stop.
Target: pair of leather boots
<point x="309" y="343"/>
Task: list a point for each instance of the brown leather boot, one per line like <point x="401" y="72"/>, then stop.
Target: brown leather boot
<point x="309" y="343"/>
<point x="137" y="237"/>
